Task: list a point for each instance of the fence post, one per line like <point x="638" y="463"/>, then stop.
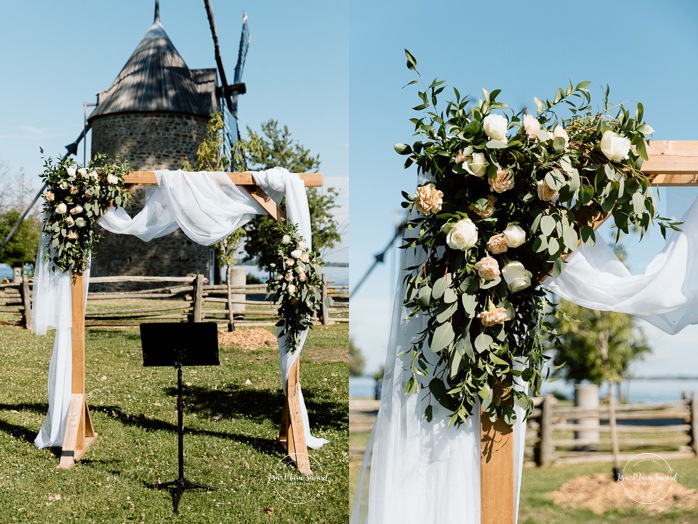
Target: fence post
<point x="325" y="312"/>
<point x="198" y="298"/>
<point x="694" y="423"/>
<point x="546" y="447"/>
<point x="26" y="302"/>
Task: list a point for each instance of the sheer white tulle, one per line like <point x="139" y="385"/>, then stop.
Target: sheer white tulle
<point x="416" y="471"/>
<point x="207" y="207"/>
<point x="665" y="294"/>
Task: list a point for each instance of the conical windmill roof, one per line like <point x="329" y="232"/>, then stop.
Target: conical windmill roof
<point x="156" y="79"/>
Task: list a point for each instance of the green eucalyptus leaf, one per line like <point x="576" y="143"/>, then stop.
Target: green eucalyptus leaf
<point x="443" y="336"/>
<point x="483" y="342"/>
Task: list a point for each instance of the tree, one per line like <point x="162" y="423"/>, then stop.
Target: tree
<point x="356" y="360"/>
<point x="274" y="146"/>
<point x="21" y="249"/>
<point x="597" y="345"/>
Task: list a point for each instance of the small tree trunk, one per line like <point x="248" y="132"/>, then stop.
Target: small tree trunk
<point x="229" y="284"/>
<point x="615" y="448"/>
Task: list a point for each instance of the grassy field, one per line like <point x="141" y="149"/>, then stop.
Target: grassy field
<point x="229" y="443"/>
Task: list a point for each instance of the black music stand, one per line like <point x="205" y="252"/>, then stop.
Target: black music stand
<point x="180" y="344"/>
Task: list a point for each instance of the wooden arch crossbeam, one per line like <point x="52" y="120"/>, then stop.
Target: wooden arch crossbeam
<point x="671" y="163"/>
<point x="79" y="431"/>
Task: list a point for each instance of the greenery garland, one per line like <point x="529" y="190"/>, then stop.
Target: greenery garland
<point x="296" y="284"/>
<point x="76" y="197"/>
<point x="507" y="196"/>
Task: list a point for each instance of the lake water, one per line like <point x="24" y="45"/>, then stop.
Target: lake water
<point x="637" y="390"/>
<point x="337" y="274"/>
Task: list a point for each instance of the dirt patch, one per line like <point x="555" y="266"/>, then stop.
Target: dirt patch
<point x="600" y="493"/>
<point x="254" y="338"/>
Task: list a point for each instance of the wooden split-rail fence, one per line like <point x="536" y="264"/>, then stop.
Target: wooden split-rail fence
<point x="157" y="299"/>
<point x="566" y="434"/>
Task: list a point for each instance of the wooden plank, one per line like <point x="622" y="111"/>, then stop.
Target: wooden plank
<point x="147" y="178"/>
<point x="78" y="334"/>
<point x="134" y="278"/>
<point x="265" y="201"/>
<point x="496" y="472"/>
<point x="199" y="298"/>
<point x="694" y="424"/>
<point x="295" y="432"/>
<point x="672" y="157"/>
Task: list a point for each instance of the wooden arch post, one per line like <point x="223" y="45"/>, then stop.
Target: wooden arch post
<point x="671" y="163"/>
<point x="79" y="432"/>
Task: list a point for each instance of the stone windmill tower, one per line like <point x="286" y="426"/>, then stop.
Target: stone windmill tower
<point x="154" y="115"/>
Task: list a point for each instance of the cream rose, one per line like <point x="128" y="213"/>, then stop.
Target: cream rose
<point x="286" y="239"/>
<point x="462" y="235"/>
<point x="495" y="127"/>
<point x="112" y="179"/>
<point x="487" y="268"/>
<point x="461" y="157"/>
<point x="288" y="277"/>
<point x="70" y="221"/>
<point x="503" y="182"/>
<point x="561" y="132"/>
<point x="83" y="172"/>
<point x="61" y="209"/>
<point x="305" y="257"/>
<point x="514" y="235"/>
<point x="516" y="276"/>
<point x="476" y="164"/>
<point x="296" y="253"/>
<point x="428" y="199"/>
<point x="301" y="244"/>
<point x="73" y="190"/>
<point x="545" y="192"/>
<point x="290" y="261"/>
<point x="615" y="146"/>
<point x="49" y="196"/>
<point x="291" y="289"/>
<point x="72" y="235"/>
<point x="302" y="277"/>
<point x="493" y="317"/>
<point x="531" y="125"/>
<point x="70" y="170"/>
<point x="80" y="222"/>
<point x="497" y="244"/>
<point x="76" y="210"/>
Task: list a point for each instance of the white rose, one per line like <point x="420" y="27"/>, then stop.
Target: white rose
<point x="615" y="146"/>
<point x="560" y="132"/>
<point x="514" y="235"/>
<point x="463" y="235"/>
<point x="531" y="125"/>
<point x="70" y="221"/>
<point x="83" y="172"/>
<point x="93" y="174"/>
<point x="477" y="165"/>
<point x="296" y="253"/>
<point x="70" y="170"/>
<point x="61" y="209"/>
<point x="516" y="276"/>
<point x="286" y="239"/>
<point x="301" y="244"/>
<point x="290" y="261"/>
<point x="112" y="179"/>
<point x="291" y="289"/>
<point x="495" y="127"/>
<point x="76" y="210"/>
<point x="80" y="222"/>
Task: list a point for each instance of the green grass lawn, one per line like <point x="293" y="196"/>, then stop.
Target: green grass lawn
<point x="538" y="483"/>
<point x="229" y="442"/>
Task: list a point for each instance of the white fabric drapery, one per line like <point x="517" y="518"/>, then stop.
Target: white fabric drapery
<point x="414" y="471"/>
<point x="664" y="294"/>
<point x="207" y="207"/>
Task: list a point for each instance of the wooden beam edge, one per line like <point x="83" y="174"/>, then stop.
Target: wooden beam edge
<point x="147" y="178"/>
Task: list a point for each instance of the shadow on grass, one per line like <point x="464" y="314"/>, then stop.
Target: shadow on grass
<point x="260" y="405"/>
<point x="16" y="430"/>
<point x="267" y="446"/>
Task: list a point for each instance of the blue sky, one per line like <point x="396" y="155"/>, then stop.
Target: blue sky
<point x="644" y="49"/>
<point x="58" y="55"/>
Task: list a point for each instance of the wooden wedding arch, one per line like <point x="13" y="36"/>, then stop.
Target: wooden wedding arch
<point x="671" y="163"/>
<point x="79" y="431"/>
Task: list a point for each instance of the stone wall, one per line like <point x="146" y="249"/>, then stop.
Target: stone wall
<point x="149" y="142"/>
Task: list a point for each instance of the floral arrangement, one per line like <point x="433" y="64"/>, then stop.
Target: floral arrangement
<point x="75" y="198"/>
<point x="296" y="284"/>
<point x="505" y="197"/>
